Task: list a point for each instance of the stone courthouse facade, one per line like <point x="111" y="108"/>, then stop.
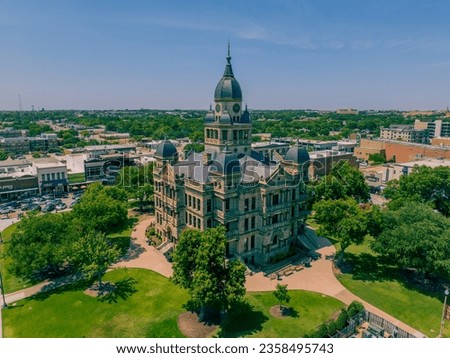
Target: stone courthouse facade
<point x="260" y="202"/>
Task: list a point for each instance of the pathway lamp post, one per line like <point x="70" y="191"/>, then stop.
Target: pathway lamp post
<point x="443" y="312"/>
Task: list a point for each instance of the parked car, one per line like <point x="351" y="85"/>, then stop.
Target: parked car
<point x="48" y="208"/>
<point x="14" y="204"/>
<point x="61" y="206"/>
<point x="33" y="207"/>
<point x="6" y="210"/>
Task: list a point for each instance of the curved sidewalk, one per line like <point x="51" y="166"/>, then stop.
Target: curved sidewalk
<point x="317" y="278"/>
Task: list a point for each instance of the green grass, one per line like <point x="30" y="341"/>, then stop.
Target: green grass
<point x="76" y="178"/>
<point x="11" y="282"/>
<point x="150" y="308"/>
<point x="253" y="319"/>
<point x="393" y="291"/>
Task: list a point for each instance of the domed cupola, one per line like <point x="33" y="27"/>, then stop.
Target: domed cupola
<point x="209" y="118"/>
<point x="297" y="154"/>
<point x="166" y="150"/>
<point x="228" y="88"/>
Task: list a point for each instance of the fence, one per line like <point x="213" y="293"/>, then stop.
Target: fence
<point x="375" y="320"/>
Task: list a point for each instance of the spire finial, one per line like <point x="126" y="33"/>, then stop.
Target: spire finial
<point x="210" y="107"/>
<point x="229" y="54"/>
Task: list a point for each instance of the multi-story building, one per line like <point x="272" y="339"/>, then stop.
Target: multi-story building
<point x="52" y="177"/>
<point x="261" y="203"/>
<point x="405" y="133"/>
<point x="436" y="129"/>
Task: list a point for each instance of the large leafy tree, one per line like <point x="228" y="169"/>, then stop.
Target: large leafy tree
<point x="344" y="181"/>
<point x="101" y="209"/>
<point x="92" y="254"/>
<point x="40" y="248"/>
<point x="415" y="236"/>
<point x="200" y="266"/>
<point x="424" y="185"/>
<point x="346" y="220"/>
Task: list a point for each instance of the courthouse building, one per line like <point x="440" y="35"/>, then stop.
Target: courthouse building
<point x="260" y="202"/>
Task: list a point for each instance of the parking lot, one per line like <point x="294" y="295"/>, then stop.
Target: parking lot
<point x="46" y="204"/>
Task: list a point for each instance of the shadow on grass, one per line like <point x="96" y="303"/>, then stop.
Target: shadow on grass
<point x="129" y="249"/>
<point x="371" y="268"/>
<point x="126" y="247"/>
<point x="120" y="289"/>
<point x="242" y="320"/>
<point x="367" y="267"/>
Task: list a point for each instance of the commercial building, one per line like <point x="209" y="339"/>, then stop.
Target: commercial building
<point x="52" y="177"/>
<point x="261" y="203"/>
<point x="17" y="180"/>
<point x="399" y="152"/>
<point x="405" y="133"/>
<point x="436" y="129"/>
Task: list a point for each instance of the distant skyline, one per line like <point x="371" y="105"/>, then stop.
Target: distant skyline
<point x="310" y="54"/>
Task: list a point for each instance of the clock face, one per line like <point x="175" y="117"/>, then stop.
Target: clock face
<point x="236" y="108"/>
<point x="217" y="107"/>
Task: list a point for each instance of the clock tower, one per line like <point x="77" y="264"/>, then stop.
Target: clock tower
<point x="227" y="124"/>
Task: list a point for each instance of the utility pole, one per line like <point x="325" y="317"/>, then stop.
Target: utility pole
<point x="20" y="103"/>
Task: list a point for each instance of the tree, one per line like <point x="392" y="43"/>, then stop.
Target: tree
<point x="196" y="147"/>
<point x="40" y="248"/>
<point x="185" y="258"/>
<point x="101" y="209"/>
<point x="344" y="181"/>
<point x="200" y="266"/>
<point x="424" y="185"/>
<point x="282" y="294"/>
<point x="144" y="194"/>
<point x="415" y="236"/>
<point x="346" y="220"/>
<point x="3" y="155"/>
<point x="93" y="254"/>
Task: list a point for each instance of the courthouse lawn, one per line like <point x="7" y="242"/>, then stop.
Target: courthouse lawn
<point x="310" y="309"/>
<point x="417" y="309"/>
<point x="150" y="311"/>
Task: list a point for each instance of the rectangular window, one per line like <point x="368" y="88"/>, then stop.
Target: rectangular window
<point x="253" y="222"/>
<point x="275" y="219"/>
<point x="198" y="204"/>
<point x="252" y="242"/>
<point x="208" y="223"/>
<point x="246" y="224"/>
<point x="246" y="244"/>
<point x="253" y="203"/>
<point x="224" y="134"/>
<point x="227" y="204"/>
<point x="235" y="135"/>
<point x="246" y="204"/>
<point x="275" y="199"/>
<point x="208" y="205"/>
<point x="293" y="194"/>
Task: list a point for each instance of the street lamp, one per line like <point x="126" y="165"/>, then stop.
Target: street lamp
<point x="4" y="305"/>
<point x="443" y="312"/>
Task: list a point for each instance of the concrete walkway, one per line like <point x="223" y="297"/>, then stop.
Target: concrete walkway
<point x="317" y="278"/>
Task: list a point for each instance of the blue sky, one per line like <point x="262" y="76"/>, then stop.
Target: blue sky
<point x="366" y="54"/>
